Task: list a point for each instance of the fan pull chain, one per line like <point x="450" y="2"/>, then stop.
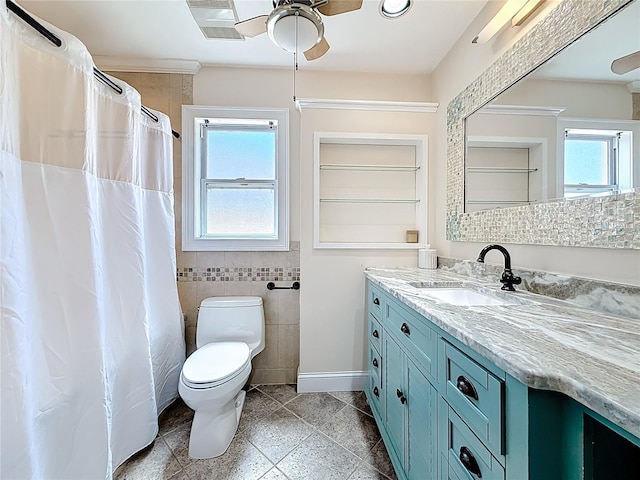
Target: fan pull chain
<point x="295" y="60"/>
<point x="295" y="67"/>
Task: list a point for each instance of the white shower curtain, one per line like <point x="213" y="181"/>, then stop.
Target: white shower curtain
<point x="92" y="336"/>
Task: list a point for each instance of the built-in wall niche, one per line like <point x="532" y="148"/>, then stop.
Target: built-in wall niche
<point x="370" y="189"/>
<point x="504" y="172"/>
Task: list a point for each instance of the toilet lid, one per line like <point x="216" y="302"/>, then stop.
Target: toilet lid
<point x="215" y="363"/>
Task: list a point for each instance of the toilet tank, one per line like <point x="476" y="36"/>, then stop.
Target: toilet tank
<point x="235" y="319"/>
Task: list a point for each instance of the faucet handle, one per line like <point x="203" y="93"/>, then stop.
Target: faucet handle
<point x="508" y="280"/>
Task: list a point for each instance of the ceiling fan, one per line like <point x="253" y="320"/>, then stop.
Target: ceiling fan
<point x="296" y="25"/>
<point x="626" y="64"/>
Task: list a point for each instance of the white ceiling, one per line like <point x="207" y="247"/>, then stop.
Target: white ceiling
<point x="360" y="41"/>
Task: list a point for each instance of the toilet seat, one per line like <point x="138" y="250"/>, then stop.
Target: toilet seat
<point x="215" y="363"/>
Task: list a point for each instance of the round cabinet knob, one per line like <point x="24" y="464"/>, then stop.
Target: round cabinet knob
<point x="466" y="387"/>
<point x="469" y="462"/>
<point x="375" y="362"/>
<point x="375" y="334"/>
<point x="376" y="301"/>
<point x="405" y="329"/>
<point x="376" y="392"/>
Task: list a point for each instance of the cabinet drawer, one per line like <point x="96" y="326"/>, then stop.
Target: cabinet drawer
<point x="375" y="360"/>
<point x="467" y="457"/>
<point x="374" y="393"/>
<point x="375" y="333"/>
<point x="476" y="395"/>
<point x="374" y="301"/>
<point x="415" y="337"/>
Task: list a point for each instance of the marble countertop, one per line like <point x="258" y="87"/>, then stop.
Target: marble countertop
<point x="545" y="343"/>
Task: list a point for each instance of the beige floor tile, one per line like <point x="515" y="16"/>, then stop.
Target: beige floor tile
<point x="278" y="434"/>
<point x="174" y="416"/>
<point x="242" y="461"/>
<point x="274" y="474"/>
<point x="291" y="437"/>
<point x="357" y="399"/>
<point x="354" y="430"/>
<point x="281" y="393"/>
<point x="318" y="458"/>
<point x="178" y="441"/>
<point x="181" y="475"/>
<point x="156" y="462"/>
<point x="315" y="408"/>
<point x="379" y="459"/>
<point x="257" y="405"/>
<point x="366" y="472"/>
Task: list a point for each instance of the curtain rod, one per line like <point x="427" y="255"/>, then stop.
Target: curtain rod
<point x="32" y="22"/>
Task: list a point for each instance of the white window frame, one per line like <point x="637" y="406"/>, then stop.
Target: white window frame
<point x="192" y="240"/>
<point x="633" y="171"/>
<point x="611" y="141"/>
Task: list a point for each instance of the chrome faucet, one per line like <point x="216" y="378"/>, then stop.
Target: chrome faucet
<point x="508" y="280"/>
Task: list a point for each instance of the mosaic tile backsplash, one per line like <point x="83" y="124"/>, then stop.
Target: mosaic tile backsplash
<point x="605" y="222"/>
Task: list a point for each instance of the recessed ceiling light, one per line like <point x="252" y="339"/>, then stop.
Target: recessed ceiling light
<point x="394" y="8"/>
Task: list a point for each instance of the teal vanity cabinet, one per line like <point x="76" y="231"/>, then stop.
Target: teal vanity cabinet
<point x="412" y="383"/>
<point x="374" y="390"/>
<point x="402" y="371"/>
<point x="447" y="413"/>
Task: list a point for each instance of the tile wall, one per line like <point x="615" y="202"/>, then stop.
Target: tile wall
<point x="205" y="274"/>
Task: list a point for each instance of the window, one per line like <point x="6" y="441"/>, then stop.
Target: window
<point x="590" y="162"/>
<point x="235" y="179"/>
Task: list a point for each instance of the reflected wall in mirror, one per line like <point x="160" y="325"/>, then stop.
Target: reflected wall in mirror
<point x="567" y="130"/>
<point x="603" y="220"/>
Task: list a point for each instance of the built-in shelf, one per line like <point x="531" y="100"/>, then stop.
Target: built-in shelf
<point x="371" y="168"/>
<point x="367" y="200"/>
<point x="369" y="190"/>
<point x="500" y="170"/>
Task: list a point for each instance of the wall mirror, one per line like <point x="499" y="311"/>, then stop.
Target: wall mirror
<point x="566" y="130"/>
<point x="542" y="147"/>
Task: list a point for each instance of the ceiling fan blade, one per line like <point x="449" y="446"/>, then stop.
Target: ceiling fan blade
<point x="317" y="50"/>
<point x="252" y="26"/>
<point x="625" y="64"/>
<point x="335" y="7"/>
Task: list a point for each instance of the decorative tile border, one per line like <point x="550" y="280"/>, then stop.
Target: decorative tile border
<point x="609" y="222"/>
<point x="238" y="274"/>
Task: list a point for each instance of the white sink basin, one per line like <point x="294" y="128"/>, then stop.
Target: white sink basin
<point x="462" y="296"/>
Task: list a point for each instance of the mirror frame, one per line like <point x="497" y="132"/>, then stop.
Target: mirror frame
<point x="610" y="221"/>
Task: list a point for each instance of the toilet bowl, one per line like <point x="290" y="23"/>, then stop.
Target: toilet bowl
<point x="230" y="332"/>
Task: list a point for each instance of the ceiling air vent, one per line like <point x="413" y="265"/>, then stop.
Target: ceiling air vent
<point x="216" y="18"/>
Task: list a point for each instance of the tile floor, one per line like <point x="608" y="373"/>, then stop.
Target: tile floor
<point x="282" y="435"/>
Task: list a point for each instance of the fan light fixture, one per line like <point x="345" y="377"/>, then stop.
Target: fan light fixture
<point x="394" y="8"/>
<point x="294" y="29"/>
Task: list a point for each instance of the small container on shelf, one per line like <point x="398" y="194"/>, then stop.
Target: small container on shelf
<point x="412" y="236"/>
<point x="427" y="257"/>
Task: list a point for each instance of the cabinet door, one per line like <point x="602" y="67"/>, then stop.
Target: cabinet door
<point x="393" y="378"/>
<point x="422" y="425"/>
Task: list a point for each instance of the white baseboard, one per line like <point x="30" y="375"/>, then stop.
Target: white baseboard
<point x="331" y="382"/>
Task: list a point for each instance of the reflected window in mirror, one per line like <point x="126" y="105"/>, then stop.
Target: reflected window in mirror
<point x="596" y="161"/>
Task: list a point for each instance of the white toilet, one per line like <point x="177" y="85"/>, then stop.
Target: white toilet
<point x="230" y="332"/>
